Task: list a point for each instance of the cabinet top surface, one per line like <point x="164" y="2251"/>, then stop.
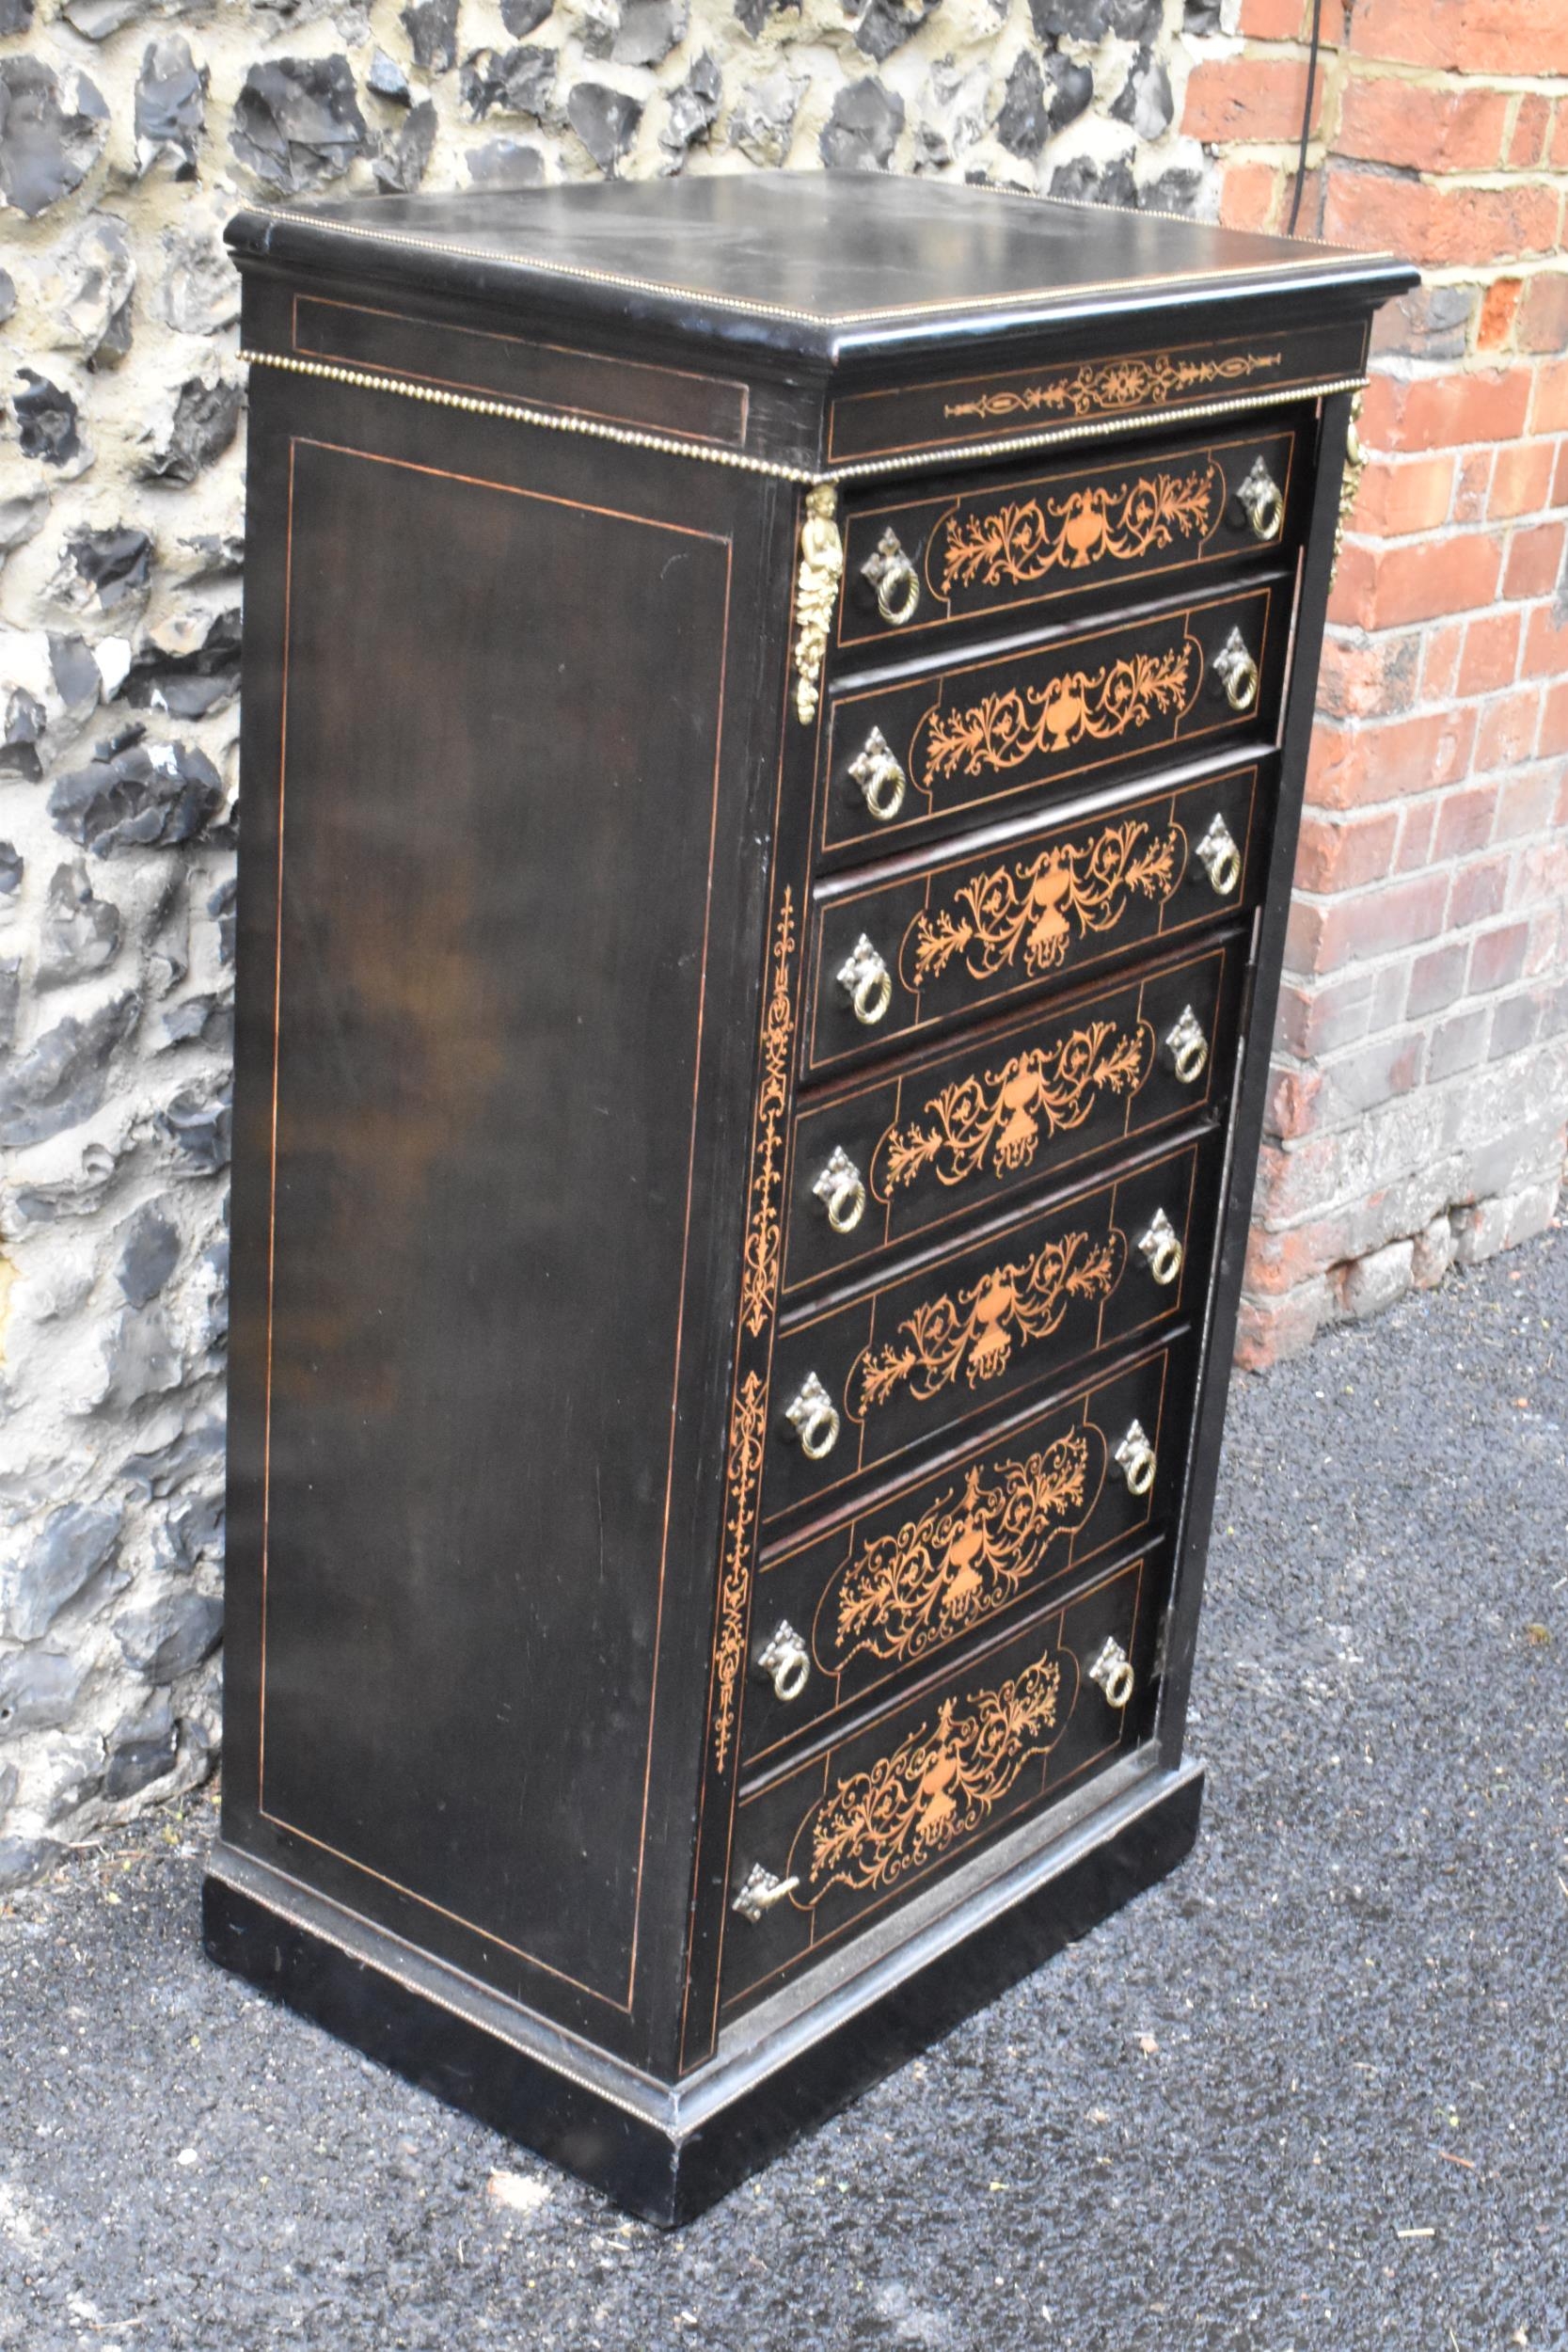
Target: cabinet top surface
<point x="811" y="254"/>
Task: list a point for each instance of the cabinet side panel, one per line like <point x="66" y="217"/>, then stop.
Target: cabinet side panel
<point x="493" y="864"/>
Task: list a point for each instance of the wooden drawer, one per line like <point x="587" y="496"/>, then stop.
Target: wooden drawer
<point x="1020" y="542"/>
<point x="1101" y="701"/>
<point x="1004" y="915"/>
<point x="919" y="1788"/>
<point x="931" y="1350"/>
<point x="1150" y="386"/>
<point x="891" y="1157"/>
<point x="879" y="1598"/>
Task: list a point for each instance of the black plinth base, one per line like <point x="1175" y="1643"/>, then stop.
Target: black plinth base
<point x="668" y="2154"/>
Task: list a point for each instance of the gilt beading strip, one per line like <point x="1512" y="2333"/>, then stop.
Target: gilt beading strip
<point x="564" y="420"/>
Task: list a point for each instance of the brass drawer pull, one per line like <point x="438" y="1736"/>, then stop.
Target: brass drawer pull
<point x="813" y="1418"/>
<point x="1134" y="1458"/>
<point x="841" y="1189"/>
<point x="867" y="981"/>
<point x="1221" y="860"/>
<point x="761" y="1891"/>
<point x="1113" y="1671"/>
<point x="1187" y="1046"/>
<point x="894" y="579"/>
<point x="883" y="783"/>
<point x="785" y="1662"/>
<point x="1263" y="501"/>
<point x="1160" y="1248"/>
<point x="1238" y="672"/>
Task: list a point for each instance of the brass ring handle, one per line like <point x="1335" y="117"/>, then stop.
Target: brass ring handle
<point x="1267" y="514"/>
<point x="785" y="1662"/>
<point x="841" y="1189"/>
<point x="882" y="782"/>
<point x="1113" y="1671"/>
<point x="1139" y="1474"/>
<point x="867" y="981"/>
<point x="814" y="1417"/>
<point x="1135" y="1459"/>
<point x="1165" y="1263"/>
<point x="884" y="795"/>
<point x="1161" y="1249"/>
<point x="846" y="1207"/>
<point x="760" y="1892"/>
<point x="899" y="592"/>
<point x="1220" y="858"/>
<point x="895" y="580"/>
<point x="873" y="997"/>
<point x="790" y="1680"/>
<point x="1241" y="687"/>
<point x="1237" y="671"/>
<point x="1187" y="1046"/>
<point x="1263" y="501"/>
<point x="819" y="1435"/>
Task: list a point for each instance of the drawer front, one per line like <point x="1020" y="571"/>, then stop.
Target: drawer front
<point x="922" y="1786"/>
<point x="977" y="928"/>
<point x="857" y="1385"/>
<point x="1149" y="387"/>
<point x="1020" y="544"/>
<point x="883" y="1597"/>
<point x="980" y="733"/>
<point x="881" y="1162"/>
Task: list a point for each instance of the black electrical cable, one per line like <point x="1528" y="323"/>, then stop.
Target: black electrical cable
<point x="1307" y="116"/>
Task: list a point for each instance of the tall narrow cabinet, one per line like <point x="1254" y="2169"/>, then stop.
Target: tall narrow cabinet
<point x="775" y="711"/>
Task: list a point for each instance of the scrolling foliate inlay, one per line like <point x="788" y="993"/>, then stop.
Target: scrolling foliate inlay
<point x="748" y="1437"/>
<point x="1028" y="914"/>
<point x="1002" y="731"/>
<point x="999" y="1118"/>
<point x="1108" y="385"/>
<point x="976" y="1333"/>
<point x="815" y="593"/>
<point x="1020" y="542"/>
<point x="936" y="1787"/>
<point x="759" y="1289"/>
<point x="966" y="1556"/>
<point x="759" y="1283"/>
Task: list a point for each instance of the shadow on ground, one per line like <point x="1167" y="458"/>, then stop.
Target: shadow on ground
<point x="1310" y="2095"/>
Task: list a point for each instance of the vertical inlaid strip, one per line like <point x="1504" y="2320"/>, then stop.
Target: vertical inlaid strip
<point x="761" y="1252"/>
<point x="759" y="1287"/>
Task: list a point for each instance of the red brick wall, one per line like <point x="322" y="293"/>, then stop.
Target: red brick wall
<point x="1421" y="1082"/>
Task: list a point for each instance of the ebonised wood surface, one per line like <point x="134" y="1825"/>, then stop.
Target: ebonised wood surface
<point x="814" y="263"/>
<point x="549" y="866"/>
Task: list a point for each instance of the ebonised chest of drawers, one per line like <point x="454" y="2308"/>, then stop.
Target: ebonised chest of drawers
<point x="775" y="715"/>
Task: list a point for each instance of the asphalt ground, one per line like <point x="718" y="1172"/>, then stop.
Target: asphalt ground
<point x="1310" y="2094"/>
